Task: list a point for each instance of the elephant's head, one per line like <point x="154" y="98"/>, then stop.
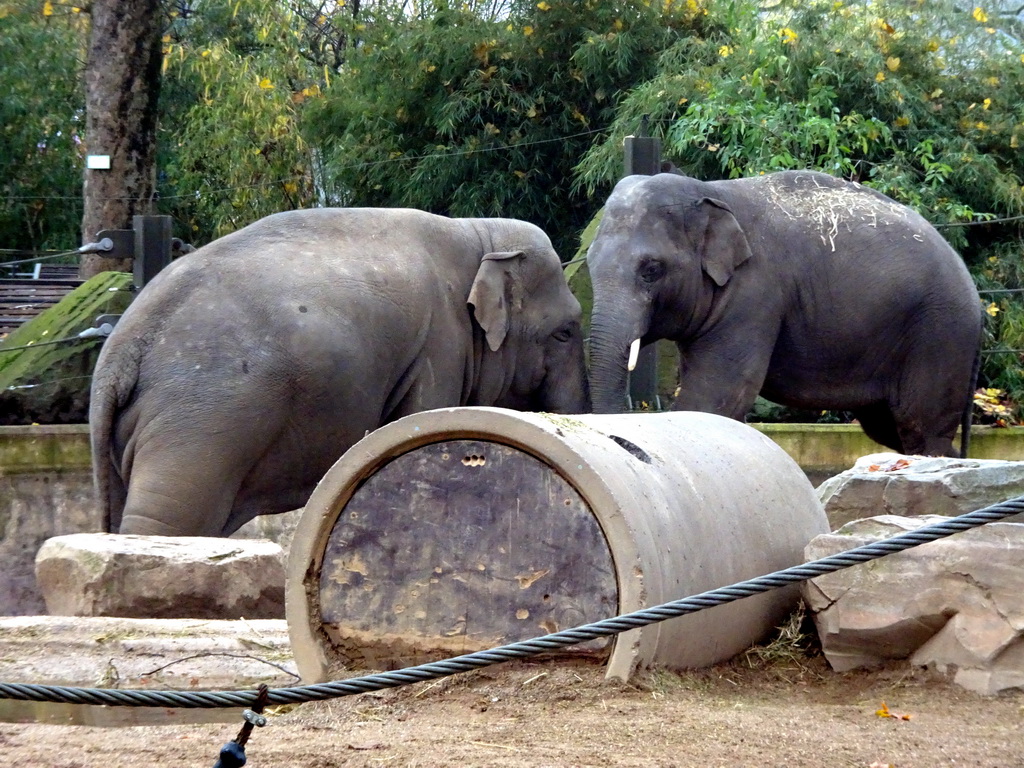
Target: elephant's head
<point x="532" y="355"/>
<point x="665" y="250"/>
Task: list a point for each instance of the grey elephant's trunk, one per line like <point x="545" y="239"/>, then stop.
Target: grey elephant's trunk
<point x="607" y="374"/>
<point x="610" y="338"/>
<point x="566" y="388"/>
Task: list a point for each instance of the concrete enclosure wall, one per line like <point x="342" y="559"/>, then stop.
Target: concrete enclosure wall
<point x="45" y="491"/>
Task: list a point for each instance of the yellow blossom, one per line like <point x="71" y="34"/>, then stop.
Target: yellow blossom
<point x="47" y="8"/>
<point x="788" y="36"/>
<point x="880" y="77"/>
<point x="724" y="51"/>
<point x="992" y="309"/>
<point x="544" y="6"/>
<point x="992" y="81"/>
<point x="265" y="84"/>
<point x="902" y="121"/>
<point x="893" y="63"/>
<point x="986" y="103"/>
<point x="981" y="126"/>
<point x="932" y="46"/>
<point x="979" y="15"/>
<point x="527" y="31"/>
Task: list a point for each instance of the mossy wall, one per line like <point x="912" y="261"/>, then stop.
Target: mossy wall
<point x="47" y="383"/>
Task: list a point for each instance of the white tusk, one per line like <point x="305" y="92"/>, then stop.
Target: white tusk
<point x="634" y="352"/>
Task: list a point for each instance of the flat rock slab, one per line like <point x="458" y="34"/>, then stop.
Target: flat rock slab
<point x="161" y="577"/>
<point x="894" y="484"/>
<point x="955" y="605"/>
<point x="161" y="654"/>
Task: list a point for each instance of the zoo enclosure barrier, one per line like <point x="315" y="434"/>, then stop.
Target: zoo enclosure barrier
<point x="148" y="244"/>
<point x="233" y="753"/>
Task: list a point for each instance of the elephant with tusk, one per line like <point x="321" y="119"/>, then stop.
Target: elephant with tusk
<point x="814" y="292"/>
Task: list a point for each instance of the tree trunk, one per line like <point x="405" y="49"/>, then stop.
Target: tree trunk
<point x="122" y="86"/>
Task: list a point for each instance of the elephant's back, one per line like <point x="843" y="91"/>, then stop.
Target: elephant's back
<point x="306" y="256"/>
<point x="832" y="208"/>
<point x="849" y="232"/>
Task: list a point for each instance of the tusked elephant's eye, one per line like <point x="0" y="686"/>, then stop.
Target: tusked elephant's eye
<point x="651" y="270"/>
<point x="562" y="334"/>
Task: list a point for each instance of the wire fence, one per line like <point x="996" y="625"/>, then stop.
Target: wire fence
<point x="523" y="649"/>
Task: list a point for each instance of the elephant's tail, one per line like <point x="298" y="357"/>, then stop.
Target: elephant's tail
<point x="113" y="380"/>
<point x="966" y="418"/>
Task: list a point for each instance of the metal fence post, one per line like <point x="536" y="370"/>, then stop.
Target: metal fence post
<point x="152" y="247"/>
<point x="643" y="157"/>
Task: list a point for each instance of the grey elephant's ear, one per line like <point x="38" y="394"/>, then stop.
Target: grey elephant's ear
<point x="491" y="294"/>
<point x="724" y="245"/>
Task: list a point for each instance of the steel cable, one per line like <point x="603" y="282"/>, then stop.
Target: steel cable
<point x="525" y="648"/>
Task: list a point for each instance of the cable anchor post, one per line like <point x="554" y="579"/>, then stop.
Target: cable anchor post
<point x="232" y="754"/>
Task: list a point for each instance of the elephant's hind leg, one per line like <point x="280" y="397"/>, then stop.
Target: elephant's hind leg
<point x="906" y="433"/>
<point x="187" y="488"/>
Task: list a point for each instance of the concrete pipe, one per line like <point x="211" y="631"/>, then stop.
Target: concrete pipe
<point x="461" y="529"/>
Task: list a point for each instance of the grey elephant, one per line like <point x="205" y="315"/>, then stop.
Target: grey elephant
<point x="245" y="369"/>
<point x="815" y="292"/>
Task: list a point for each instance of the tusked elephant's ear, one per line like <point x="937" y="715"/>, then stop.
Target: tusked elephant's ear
<point x="724" y="246"/>
<point x="491" y="293"/>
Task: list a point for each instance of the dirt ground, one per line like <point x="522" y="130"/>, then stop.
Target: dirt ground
<point x="752" y="712"/>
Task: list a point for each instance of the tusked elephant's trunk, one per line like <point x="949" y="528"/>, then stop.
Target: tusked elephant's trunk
<point x="611" y="334"/>
<point x="607" y="375"/>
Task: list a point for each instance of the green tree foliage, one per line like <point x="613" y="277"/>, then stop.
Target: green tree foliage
<point x="918" y="100"/>
<point x="518" y="108"/>
<point x="468" y="116"/>
<point x="41" y="122"/>
<point x="230" y="148"/>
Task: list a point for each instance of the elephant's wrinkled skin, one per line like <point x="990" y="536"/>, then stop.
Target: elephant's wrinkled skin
<point x="245" y="369"/>
<point x="815" y="292"/>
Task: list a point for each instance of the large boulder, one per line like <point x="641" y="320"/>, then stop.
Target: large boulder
<point x="158" y="577"/>
<point x="955" y="605"/>
<point x="890" y="483"/>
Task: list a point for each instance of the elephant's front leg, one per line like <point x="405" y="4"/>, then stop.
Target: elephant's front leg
<point x="721" y="377"/>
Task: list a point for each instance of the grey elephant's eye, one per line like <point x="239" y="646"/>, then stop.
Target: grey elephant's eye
<point x="651" y="270"/>
<point x="563" y="334"/>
